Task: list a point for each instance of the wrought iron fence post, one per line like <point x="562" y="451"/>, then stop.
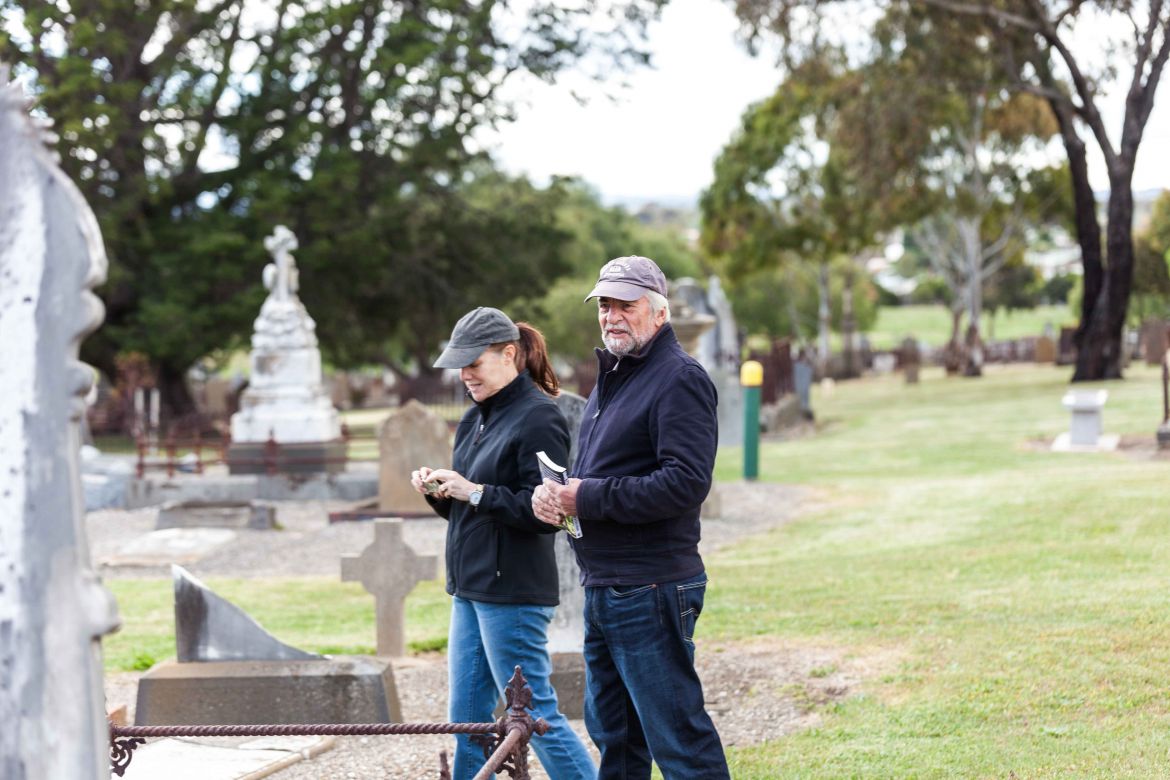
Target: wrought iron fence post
<point x="170" y="446"/>
<point x="198" y="451"/>
<point x="270" y="454"/>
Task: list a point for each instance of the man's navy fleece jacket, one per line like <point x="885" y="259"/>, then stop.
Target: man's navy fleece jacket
<point x="645" y="455"/>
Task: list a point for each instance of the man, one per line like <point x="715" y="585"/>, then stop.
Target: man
<point x="646" y="451"/>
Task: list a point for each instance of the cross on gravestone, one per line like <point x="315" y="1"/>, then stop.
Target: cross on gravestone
<point x="283" y="281"/>
<point x="389" y="569"/>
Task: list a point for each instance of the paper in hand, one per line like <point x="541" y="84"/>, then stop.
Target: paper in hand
<point x="557" y="473"/>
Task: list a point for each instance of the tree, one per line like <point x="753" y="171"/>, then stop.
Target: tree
<point x="1033" y="40"/>
<point x="812" y="174"/>
<point x="596" y="233"/>
<point x="193" y="127"/>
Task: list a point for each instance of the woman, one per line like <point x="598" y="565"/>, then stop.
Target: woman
<point x="501" y="569"/>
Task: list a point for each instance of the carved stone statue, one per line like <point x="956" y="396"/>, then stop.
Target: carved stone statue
<point x="286" y="398"/>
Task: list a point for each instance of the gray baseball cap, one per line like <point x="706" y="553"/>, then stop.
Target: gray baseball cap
<point x="628" y="279"/>
<point x="476" y="330"/>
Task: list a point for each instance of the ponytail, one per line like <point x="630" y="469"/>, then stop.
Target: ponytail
<point x="532" y="353"/>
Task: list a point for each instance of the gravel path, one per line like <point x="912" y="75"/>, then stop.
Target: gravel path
<point x="755" y="690"/>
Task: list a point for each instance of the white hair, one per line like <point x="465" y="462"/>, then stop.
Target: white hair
<point x="658" y="302"/>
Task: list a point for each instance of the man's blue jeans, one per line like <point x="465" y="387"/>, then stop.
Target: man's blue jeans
<point x="485" y="644"/>
<point x="644" y="699"/>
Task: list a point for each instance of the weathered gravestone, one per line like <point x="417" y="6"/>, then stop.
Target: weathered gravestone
<point x="53" y="609"/>
<point x="256" y="515"/>
<point x="1045" y="350"/>
<point x="389" y="569"/>
<point x="723" y="343"/>
<point x="411" y="436"/>
<point x="566" y="633"/>
<point x="232" y="671"/>
<point x="802" y="379"/>
<point x="1153" y="341"/>
<point x="911" y="360"/>
<point x="217" y="397"/>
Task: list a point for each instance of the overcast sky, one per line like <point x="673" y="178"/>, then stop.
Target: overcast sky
<point x="658" y="140"/>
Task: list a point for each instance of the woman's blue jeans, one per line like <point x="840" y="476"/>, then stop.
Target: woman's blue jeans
<point x="644" y="700"/>
<point x="485" y="644"/>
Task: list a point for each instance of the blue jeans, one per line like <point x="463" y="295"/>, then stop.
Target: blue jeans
<point x="644" y="700"/>
<point x="485" y="644"/>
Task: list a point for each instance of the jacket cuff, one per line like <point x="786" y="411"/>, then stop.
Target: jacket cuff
<point x="485" y="501"/>
<point x="586" y="501"/>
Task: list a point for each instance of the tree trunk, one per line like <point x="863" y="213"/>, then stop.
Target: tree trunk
<point x="850" y="357"/>
<point x="953" y="354"/>
<point x="1099" y="353"/>
<point x="177" y="403"/>
<point x="1089" y="337"/>
<point x="823" y="321"/>
<point x="973" y="246"/>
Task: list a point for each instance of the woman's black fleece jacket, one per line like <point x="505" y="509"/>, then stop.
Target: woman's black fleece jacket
<point x="500" y="552"/>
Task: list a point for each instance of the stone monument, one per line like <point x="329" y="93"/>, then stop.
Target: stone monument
<point x="389" y="569"/>
<point x="286" y="399"/>
<point x="232" y="671"/>
<point x="53" y="609"/>
<point x="411" y="436"/>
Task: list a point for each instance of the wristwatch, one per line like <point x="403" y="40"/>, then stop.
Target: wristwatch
<point x="476" y="496"/>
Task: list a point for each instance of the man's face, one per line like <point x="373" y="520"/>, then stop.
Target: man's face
<point x="627" y="326"/>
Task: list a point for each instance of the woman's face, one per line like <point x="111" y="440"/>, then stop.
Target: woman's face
<point x="491" y="372"/>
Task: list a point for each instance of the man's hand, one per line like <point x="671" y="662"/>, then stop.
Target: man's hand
<point x="552" y="501"/>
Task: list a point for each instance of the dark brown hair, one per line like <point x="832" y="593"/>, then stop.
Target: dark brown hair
<point x="532" y="353"/>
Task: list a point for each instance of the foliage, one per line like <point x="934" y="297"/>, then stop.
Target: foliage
<point x="193" y="128"/>
<point x="1151" y="265"/>
<point x="1034" y="43"/>
<point x="595" y="234"/>
<point x="1057" y="289"/>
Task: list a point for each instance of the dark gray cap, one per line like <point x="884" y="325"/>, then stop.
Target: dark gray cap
<point x="476" y="330"/>
<point x="628" y="279"/>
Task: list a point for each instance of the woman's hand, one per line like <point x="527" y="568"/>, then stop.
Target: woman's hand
<point x="452" y="484"/>
<point x="420" y="481"/>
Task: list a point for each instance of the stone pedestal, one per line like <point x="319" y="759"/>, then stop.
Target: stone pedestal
<point x="1086" y="416"/>
<point x="346" y="689"/>
<point x="322" y="457"/>
<point x="1164" y="436"/>
<point x="568" y="680"/>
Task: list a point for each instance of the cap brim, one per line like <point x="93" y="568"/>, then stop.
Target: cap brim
<point x="459" y="357"/>
<point x="622" y="291"/>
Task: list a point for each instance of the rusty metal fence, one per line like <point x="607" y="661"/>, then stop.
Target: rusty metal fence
<point x="505" y="742"/>
<point x="195" y="453"/>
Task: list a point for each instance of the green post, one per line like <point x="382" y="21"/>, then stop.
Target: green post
<point x="751" y="376"/>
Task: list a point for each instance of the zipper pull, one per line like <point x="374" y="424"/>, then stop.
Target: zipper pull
<point x="478" y="434"/>
<point x="597" y="413"/>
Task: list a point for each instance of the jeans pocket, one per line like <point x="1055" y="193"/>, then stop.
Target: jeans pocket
<point x="626" y="591"/>
<point x="690" y="605"/>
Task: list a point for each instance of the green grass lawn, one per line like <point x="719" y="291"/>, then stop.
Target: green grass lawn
<point x="1020" y="597"/>
<point x="1025" y="592"/>
<point x="932" y="324"/>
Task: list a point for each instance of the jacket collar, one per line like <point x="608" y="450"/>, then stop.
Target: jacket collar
<point x="607" y="361"/>
<point x="506" y="394"/>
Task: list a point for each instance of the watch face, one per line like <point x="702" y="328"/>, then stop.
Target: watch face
<point x="475" y="497"/>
